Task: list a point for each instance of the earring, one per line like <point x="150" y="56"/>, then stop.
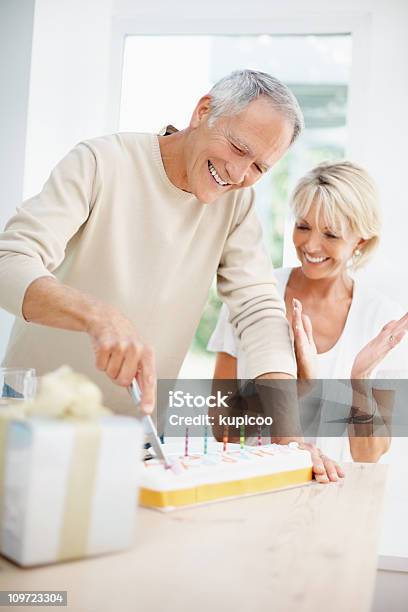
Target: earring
<point x="357" y="253"/>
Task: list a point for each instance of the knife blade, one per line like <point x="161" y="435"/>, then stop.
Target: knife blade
<point x="150" y="428"/>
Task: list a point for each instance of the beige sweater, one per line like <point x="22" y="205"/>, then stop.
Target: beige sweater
<point x="109" y="222"/>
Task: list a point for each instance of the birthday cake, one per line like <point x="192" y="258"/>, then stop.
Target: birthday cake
<point x="202" y="478"/>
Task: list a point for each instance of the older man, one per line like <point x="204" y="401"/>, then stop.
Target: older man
<point x="125" y="238"/>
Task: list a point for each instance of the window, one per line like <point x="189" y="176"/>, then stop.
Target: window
<point x="163" y="78"/>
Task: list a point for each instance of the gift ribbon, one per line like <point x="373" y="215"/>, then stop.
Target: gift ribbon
<point x="80" y="490"/>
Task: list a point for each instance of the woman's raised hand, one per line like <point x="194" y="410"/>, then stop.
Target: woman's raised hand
<point x="374" y="352"/>
<point x="305" y="348"/>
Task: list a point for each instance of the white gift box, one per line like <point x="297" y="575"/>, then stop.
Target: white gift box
<point x="68" y="487"/>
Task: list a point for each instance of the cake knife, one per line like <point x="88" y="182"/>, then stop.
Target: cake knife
<point x="150" y="428"/>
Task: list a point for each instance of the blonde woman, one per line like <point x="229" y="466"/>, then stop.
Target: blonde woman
<point x="342" y="328"/>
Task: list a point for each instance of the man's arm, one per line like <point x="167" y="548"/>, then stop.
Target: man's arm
<point x="246" y="283"/>
<point x="118" y="349"/>
<point x="33" y="246"/>
<point x="34" y="240"/>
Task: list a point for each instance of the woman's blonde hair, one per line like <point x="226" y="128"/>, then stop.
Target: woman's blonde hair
<point x="346" y="199"/>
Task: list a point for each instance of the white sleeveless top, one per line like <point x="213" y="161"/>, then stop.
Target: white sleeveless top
<point x="368" y="313"/>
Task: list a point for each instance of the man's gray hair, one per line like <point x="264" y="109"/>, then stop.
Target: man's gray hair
<point x="234" y="92"/>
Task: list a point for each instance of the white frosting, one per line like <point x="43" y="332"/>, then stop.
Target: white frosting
<point x="281" y="459"/>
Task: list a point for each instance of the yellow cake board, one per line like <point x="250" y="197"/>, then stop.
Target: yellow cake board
<point x="215" y="492"/>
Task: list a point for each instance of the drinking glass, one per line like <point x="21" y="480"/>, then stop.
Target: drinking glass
<point x="17" y="385"/>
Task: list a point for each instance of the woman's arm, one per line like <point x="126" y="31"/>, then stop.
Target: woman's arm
<point x="324" y="469"/>
<point x="367" y="404"/>
<point x="373" y="406"/>
<point x="371" y="414"/>
<point x="225" y="367"/>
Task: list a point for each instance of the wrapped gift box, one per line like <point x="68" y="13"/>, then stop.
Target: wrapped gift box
<point x="68" y="487"/>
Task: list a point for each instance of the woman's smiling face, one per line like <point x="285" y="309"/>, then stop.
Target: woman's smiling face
<point x="322" y="251"/>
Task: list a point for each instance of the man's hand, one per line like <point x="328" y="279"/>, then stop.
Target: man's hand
<point x="325" y="470"/>
<point x="118" y="349"/>
<point x="123" y="355"/>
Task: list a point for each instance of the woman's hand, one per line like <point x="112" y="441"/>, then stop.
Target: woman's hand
<point x="305" y="348"/>
<point x="325" y="470"/>
<point x="374" y="352"/>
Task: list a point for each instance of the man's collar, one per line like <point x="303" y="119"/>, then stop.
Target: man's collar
<point x="167" y="130"/>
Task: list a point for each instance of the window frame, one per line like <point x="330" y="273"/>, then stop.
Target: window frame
<point x="355" y="23"/>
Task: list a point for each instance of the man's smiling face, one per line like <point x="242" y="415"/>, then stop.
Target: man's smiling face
<point x="235" y="151"/>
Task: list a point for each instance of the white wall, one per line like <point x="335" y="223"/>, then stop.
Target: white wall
<point x="379" y="134"/>
<point x="66" y="88"/>
<point x="69" y="81"/>
<point x="55" y="60"/>
<point x="379" y="87"/>
<point x="16" y="25"/>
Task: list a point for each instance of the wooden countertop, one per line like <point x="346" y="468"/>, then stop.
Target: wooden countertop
<point x="311" y="548"/>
